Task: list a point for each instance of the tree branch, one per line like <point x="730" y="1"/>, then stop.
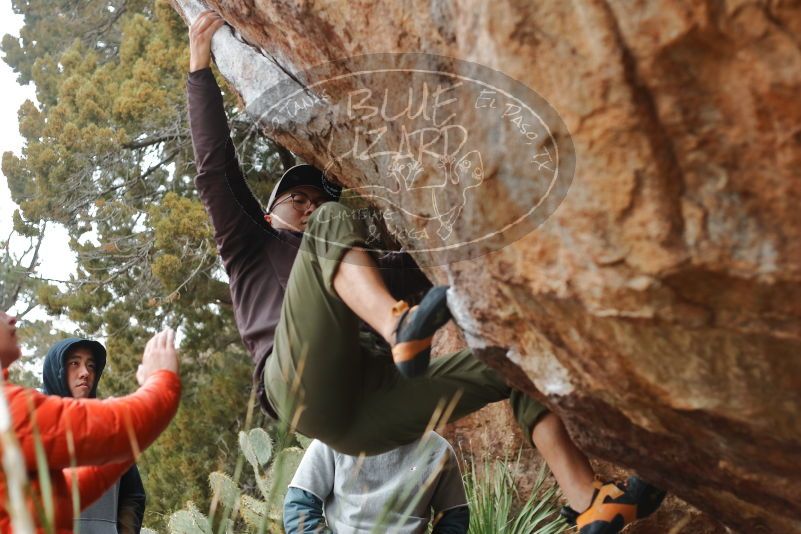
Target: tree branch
<point x="74" y="209"/>
<point x="150" y="141"/>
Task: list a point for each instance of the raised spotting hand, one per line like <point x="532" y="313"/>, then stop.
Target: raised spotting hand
<point x="159" y="354"/>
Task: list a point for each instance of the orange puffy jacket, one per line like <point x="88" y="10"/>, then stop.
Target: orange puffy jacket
<point x="103" y="433"/>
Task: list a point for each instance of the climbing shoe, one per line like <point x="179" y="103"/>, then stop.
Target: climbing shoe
<point x="614" y="506"/>
<point x="415" y="330"/>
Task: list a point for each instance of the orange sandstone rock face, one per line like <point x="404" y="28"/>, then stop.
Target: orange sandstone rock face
<point x="657" y="308"/>
<point x="493" y="433"/>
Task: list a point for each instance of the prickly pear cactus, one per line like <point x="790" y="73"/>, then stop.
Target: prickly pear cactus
<point x="279" y="475"/>
<point x="189" y="521"/>
<point x="273" y="473"/>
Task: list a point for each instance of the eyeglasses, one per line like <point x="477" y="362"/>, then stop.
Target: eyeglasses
<point x="300" y="201"/>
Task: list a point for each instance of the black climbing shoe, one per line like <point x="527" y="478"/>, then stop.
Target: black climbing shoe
<point x="415" y="330"/>
<point x="614" y="506"/>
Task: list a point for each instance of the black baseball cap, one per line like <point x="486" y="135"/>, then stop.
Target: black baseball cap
<point x="304" y="174"/>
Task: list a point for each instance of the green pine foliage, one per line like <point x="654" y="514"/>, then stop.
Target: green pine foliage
<point x="108" y="155"/>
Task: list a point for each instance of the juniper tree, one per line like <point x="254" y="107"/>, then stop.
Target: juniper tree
<point x="108" y="155"/>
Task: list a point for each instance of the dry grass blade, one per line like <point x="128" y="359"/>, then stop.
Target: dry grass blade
<point x="76" y="494"/>
<point x="43" y="472"/>
<point x="14" y="470"/>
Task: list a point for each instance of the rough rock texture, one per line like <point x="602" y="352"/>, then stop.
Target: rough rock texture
<point x="493" y="433"/>
<point x="658" y="310"/>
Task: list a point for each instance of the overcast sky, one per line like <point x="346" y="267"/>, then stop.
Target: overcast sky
<point x="56" y="260"/>
<point x="13" y="96"/>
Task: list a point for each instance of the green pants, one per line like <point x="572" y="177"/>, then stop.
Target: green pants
<point x="333" y="385"/>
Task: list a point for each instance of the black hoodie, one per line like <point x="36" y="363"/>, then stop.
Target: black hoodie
<point x="131" y="496"/>
<point x="54" y="375"/>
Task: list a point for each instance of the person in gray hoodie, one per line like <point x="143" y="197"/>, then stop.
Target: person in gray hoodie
<point x="401" y="491"/>
<point x="72" y="368"/>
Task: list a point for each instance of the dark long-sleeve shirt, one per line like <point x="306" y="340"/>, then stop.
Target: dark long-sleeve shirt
<point x="257" y="257"/>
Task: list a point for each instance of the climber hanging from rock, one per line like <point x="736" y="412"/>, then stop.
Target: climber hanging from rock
<point x="299" y="316"/>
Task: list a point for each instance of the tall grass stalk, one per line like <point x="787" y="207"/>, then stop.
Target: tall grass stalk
<point x="14" y="469"/>
<point x="43" y="473"/>
<point x="408" y="496"/>
<point x="76" y="494"/>
<point x="230" y="512"/>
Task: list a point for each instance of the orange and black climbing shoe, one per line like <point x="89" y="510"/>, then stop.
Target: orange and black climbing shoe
<point x="415" y="330"/>
<point x="614" y="506"/>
